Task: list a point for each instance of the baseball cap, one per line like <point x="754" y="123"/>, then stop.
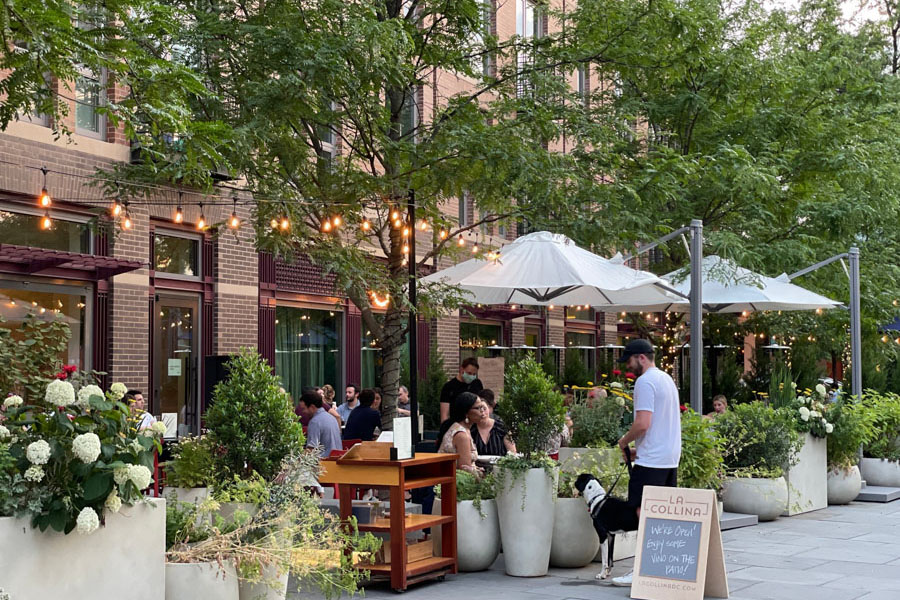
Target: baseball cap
<point x="636" y="347"/>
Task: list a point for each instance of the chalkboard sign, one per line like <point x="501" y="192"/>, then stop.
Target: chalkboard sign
<point x="671" y="549"/>
<point x="679" y="554"/>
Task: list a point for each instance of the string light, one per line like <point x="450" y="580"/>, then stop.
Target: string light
<point x="550" y="307"/>
<point x="395" y="215"/>
<point x="461" y="241"/>
<point x="274" y="223"/>
<point x="423" y="225"/>
<point x="46" y="221"/>
<point x="116" y="208"/>
<point x="234" y="222"/>
<point x="406" y="232"/>
<point x="285" y="223"/>
<point x="179" y="212"/>
<point x="405" y="248"/>
<point x="397" y="223"/>
<point x="326" y="225"/>
<point x="475" y="248"/>
<point x="44" y="200"/>
<point x="366" y="226"/>
<point x="380" y="302"/>
<point x="336" y="221"/>
<point x="201" y="222"/>
<point x="443" y="234"/>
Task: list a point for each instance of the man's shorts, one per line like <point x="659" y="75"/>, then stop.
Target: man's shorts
<point x="642" y="476"/>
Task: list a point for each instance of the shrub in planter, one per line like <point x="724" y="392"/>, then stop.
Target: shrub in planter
<point x="881" y="454"/>
<point x="702" y="465"/>
<point x="477" y="526"/>
<point x="241" y="494"/>
<point x="192" y="464"/>
<point x="853" y="427"/>
<point x="251" y="422"/>
<point x="758" y="441"/>
<point x="533" y="411"/>
<point x="75" y="455"/>
<point x="598" y="424"/>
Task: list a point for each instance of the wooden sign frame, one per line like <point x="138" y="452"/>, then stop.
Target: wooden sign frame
<point x="689" y="506"/>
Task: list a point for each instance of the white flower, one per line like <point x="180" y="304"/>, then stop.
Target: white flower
<point x="4" y="432"/>
<point x="159" y="428"/>
<point x="87" y="521"/>
<point x="804" y="413"/>
<point x="12" y="401"/>
<point x="829" y="428"/>
<point x="85" y="393"/>
<point x="820" y="390"/>
<point x="620" y="401"/>
<point x="120" y="475"/>
<point x="113" y="502"/>
<point x="34" y="473"/>
<point x="814" y="414"/>
<point x="60" y="393"/>
<point x="794" y="385"/>
<point x="615" y="384"/>
<point x="140" y="476"/>
<point x="118" y="390"/>
<point x="824" y="422"/>
<point x="86" y="447"/>
<point x="38" y="453"/>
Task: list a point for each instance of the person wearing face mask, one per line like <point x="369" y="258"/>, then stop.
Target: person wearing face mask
<point x="466" y="380"/>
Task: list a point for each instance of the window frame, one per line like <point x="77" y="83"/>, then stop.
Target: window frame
<point x="57" y="215"/>
<point x="195" y="237"/>
<point x="102" y="83"/>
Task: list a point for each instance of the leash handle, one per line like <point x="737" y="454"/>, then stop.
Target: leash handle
<point x="627" y="454"/>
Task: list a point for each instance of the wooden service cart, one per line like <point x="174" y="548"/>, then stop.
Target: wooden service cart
<point x="369" y="465"/>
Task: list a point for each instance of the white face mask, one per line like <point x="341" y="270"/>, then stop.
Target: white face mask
<point x="469" y="378"/>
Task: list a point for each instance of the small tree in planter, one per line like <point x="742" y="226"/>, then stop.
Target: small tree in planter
<point x="853" y="427"/>
<point x="477" y="526"/>
<point x="758" y="441"/>
<point x="251" y="422"/>
<point x="192" y="470"/>
<point x="880" y="464"/>
<point x="701" y="465"/>
<point x="534" y="412"/>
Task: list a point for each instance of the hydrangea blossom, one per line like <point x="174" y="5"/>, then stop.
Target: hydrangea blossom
<point x="159" y="428"/>
<point x="12" y="401"/>
<point x="4" y="432"/>
<point x="86" y="447"/>
<point x="829" y="428"/>
<point x="118" y="390"/>
<point x="820" y="390"/>
<point x="38" y="453"/>
<point x="616" y="384"/>
<point x="34" y="473"/>
<point x="60" y="393"/>
<point x="87" y="521"/>
<point x="804" y="413"/>
<point x="85" y="393"/>
<point x="113" y="502"/>
<point x="120" y="475"/>
<point x="620" y="401"/>
<point x="140" y="476"/>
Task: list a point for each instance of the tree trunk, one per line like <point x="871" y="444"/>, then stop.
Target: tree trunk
<point x="391" y="344"/>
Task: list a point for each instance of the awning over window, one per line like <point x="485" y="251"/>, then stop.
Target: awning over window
<point x="24" y="260"/>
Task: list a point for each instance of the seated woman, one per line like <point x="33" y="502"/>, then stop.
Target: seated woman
<point x="490" y="435"/>
<point x="466" y="410"/>
<point x="720" y="405"/>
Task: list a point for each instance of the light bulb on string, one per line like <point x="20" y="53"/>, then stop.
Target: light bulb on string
<point x="405" y="248"/>
<point x="201" y="222"/>
<point x="116" y="208"/>
<point x="179" y="212"/>
<point x="285" y="223"/>
<point x="366" y="226"/>
<point x="406" y="232"/>
<point x="395" y="215"/>
<point x="233" y="221"/>
<point x="274" y="223"/>
<point x="475" y="248"/>
<point x="326" y="226"/>
<point x="443" y="234"/>
<point x="337" y="221"/>
<point x="423" y="225"/>
<point x="397" y="223"/>
<point x="126" y="221"/>
<point x="46" y="221"/>
<point x="44" y="199"/>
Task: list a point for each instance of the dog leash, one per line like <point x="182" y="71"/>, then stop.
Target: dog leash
<point x="619" y="476"/>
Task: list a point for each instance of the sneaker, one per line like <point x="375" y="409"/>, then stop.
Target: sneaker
<point x="623" y="581"/>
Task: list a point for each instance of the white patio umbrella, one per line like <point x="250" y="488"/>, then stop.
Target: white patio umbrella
<point x="544" y="269"/>
<point x="728" y="288"/>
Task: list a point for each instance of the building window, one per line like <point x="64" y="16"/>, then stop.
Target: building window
<point x="584" y="91"/>
<point x="579" y="314"/>
<point x="20" y="300"/>
<point x="481" y="59"/>
<point x="307" y="348"/>
<point x="90" y="96"/>
<point x="409" y="115"/>
<point x="474" y="337"/>
<point x="24" y="229"/>
<point x="176" y="255"/>
<point x="582" y="346"/>
<point x="371" y="362"/>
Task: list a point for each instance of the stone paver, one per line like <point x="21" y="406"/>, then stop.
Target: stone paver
<point x="839" y="553"/>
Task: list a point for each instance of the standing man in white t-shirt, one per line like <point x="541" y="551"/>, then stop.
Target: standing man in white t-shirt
<point x="656" y="433"/>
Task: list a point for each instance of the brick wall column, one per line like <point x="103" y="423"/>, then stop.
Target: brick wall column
<point x="517" y="332"/>
<point x="236" y="276"/>
<point x="556" y="336"/>
<point x="445" y="334"/>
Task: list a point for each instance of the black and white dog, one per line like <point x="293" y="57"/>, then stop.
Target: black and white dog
<point x="596" y="499"/>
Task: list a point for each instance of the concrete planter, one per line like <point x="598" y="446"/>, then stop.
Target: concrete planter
<point x="477" y="537"/>
<point x="765" y="498"/>
<point x="123" y="559"/>
<point x="272" y="587"/>
<point x="191" y="495"/>
<point x="880" y="471"/>
<point x="807" y="480"/>
<point x="525" y="508"/>
<point x="575" y="542"/>
<point x="200" y="581"/>
<point x="844" y="485"/>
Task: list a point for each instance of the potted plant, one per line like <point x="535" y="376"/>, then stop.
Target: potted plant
<point x="880" y="464"/>
<point x="806" y="475"/>
<point x="853" y="428"/>
<point x="701" y="465"/>
<point x="598" y="424"/>
<point x="72" y="462"/>
<point x="575" y="541"/>
<point x="758" y="441"/>
<point x="477" y="525"/>
<point x="243" y="495"/>
<point x="191" y="471"/>
<point x="526" y="484"/>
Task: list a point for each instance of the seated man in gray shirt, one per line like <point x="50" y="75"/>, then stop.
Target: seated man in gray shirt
<point x="323" y="430"/>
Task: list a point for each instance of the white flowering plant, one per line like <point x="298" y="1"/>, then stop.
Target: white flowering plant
<point x="74" y="456"/>
<point x="811" y="412"/>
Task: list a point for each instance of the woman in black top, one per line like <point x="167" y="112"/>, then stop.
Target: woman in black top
<point x="490" y="435"/>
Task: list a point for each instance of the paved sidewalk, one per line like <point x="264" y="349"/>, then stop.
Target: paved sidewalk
<point x="840" y="553"/>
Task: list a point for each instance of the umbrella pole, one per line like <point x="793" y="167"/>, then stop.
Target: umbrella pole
<point x="855" y="324"/>
<point x="413" y="323"/>
<point x="697" y="315"/>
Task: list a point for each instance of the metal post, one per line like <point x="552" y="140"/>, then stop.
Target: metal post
<point x="855" y="325"/>
<point x="697" y="315"/>
<point x="413" y="322"/>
